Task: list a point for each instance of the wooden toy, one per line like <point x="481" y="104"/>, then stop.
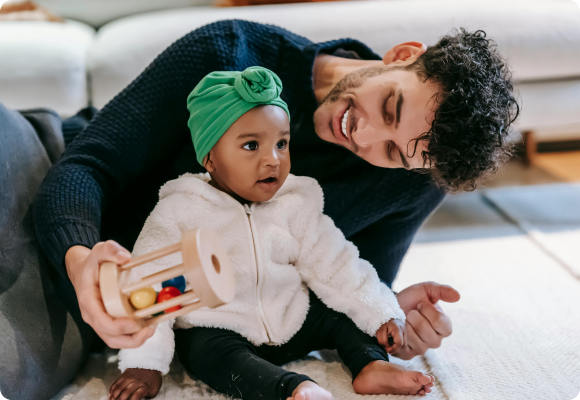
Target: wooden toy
<point x="206" y="268"/>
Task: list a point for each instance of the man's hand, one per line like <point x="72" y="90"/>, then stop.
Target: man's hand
<point x="82" y="265"/>
<point x="392" y="335"/>
<point x="426" y="325"/>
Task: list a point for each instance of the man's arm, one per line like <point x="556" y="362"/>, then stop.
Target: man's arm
<point x="133" y="136"/>
<point x="385" y="242"/>
<point x="134" y="133"/>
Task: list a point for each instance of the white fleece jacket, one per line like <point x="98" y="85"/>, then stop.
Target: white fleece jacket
<point x="277" y="248"/>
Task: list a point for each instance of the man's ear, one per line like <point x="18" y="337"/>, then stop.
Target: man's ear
<point x="208" y="163"/>
<point x="404" y="53"/>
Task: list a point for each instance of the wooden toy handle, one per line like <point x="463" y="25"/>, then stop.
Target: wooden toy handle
<point x="154" y="255"/>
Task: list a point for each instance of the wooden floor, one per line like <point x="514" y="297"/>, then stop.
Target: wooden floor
<point x="562" y="165"/>
<point x="517" y="172"/>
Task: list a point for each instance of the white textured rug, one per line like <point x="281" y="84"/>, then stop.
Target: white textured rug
<point x="325" y="368"/>
<point x="516" y="329"/>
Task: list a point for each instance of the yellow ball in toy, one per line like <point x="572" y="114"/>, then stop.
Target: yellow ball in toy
<point x="143" y="298"/>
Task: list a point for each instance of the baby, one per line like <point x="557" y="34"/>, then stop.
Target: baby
<point x="300" y="285"/>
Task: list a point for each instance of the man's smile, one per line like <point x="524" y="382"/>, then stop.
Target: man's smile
<point x="339" y="126"/>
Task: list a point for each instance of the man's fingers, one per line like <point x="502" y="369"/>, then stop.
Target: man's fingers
<point x="416" y="345"/>
<point x="128" y="341"/>
<point x="103" y="322"/>
<point x="437" y="292"/>
<point x="111" y="251"/>
<point x="424" y="329"/>
<point x="107" y="324"/>
<point x="440" y="322"/>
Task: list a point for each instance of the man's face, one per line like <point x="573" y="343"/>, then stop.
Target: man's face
<point x="377" y="115"/>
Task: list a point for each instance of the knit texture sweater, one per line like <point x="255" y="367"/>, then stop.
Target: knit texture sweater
<point x="107" y="181"/>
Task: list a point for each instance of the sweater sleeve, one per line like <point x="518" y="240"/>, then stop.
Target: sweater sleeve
<point x="330" y="265"/>
<point x="155" y="354"/>
<point x="132" y="137"/>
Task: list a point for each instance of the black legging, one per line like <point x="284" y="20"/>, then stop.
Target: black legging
<point x="230" y="364"/>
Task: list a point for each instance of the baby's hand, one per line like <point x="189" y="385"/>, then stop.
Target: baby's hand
<point x="135" y="384"/>
<point x="392" y="335"/>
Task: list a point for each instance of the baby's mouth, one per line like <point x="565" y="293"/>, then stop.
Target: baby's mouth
<point x="268" y="180"/>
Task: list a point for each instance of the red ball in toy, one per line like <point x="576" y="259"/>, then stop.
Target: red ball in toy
<point x="167" y="293"/>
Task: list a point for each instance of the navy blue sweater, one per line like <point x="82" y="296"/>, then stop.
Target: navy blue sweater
<point x="107" y="181"/>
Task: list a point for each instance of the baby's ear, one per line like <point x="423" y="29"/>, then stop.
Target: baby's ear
<point x="208" y="163"/>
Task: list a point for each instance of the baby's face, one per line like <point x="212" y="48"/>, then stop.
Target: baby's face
<point x="251" y="160"/>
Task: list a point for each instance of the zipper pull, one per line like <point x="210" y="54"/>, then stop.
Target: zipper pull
<point x="248" y="209"/>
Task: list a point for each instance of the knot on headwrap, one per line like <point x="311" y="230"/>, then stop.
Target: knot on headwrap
<point x="258" y="85"/>
<point x="222" y="97"/>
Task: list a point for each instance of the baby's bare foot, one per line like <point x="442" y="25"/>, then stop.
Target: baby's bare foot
<point x="309" y="390"/>
<point x="382" y="377"/>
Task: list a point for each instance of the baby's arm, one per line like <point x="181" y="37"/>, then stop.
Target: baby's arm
<point x="392" y="335"/>
<point x="330" y="265"/>
<point x="155" y="354"/>
<point x="143" y="367"/>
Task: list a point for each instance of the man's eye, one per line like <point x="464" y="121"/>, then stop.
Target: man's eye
<point x="252" y="146"/>
<point x="282" y="145"/>
<point x="388" y="115"/>
<point x="390" y="151"/>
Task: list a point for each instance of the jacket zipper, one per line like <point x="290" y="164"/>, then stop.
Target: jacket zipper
<point x="258" y="298"/>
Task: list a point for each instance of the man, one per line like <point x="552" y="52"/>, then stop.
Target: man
<point x="361" y="125"/>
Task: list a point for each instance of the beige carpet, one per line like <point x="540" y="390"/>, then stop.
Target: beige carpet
<point x="516" y="328"/>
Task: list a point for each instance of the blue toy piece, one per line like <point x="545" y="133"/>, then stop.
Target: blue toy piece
<point x="177" y="282"/>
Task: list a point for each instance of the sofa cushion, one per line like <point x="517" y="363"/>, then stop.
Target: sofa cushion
<point x="550" y="108"/>
<point x="541" y="38"/>
<point x="98" y="12"/>
<point x="43" y="65"/>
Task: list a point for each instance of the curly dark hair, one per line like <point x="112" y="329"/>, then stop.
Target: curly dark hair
<point x="468" y="138"/>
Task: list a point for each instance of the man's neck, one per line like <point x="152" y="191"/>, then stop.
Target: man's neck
<point x="329" y="70"/>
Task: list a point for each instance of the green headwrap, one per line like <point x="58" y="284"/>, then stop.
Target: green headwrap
<point x="222" y="97"/>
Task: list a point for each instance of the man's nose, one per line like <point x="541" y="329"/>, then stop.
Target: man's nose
<point x="367" y="135"/>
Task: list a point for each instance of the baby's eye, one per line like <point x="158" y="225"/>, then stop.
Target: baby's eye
<point x="252" y="146"/>
<point x="282" y="144"/>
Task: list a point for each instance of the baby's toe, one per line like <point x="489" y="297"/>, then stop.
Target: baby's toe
<point x="423" y="379"/>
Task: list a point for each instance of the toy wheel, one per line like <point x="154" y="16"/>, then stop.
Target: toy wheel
<point x="208" y="267"/>
<point x="111" y="280"/>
